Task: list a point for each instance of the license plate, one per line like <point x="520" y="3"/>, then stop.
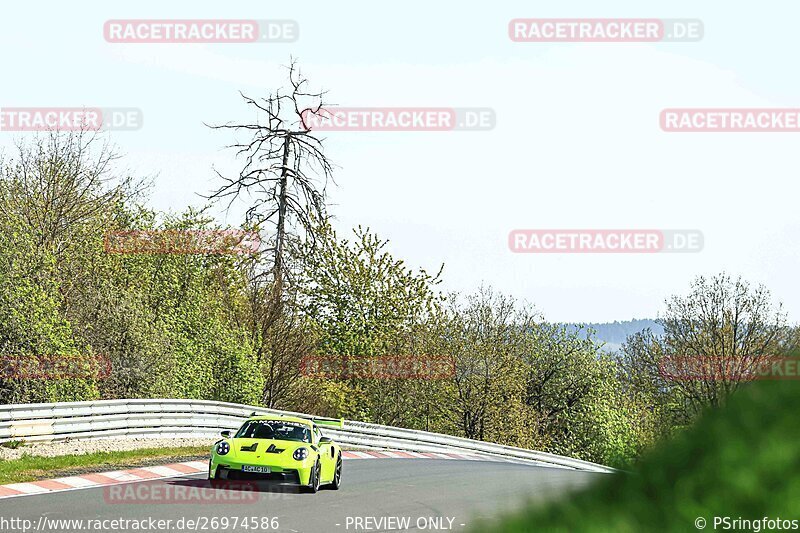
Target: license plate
<point x="256" y="469"/>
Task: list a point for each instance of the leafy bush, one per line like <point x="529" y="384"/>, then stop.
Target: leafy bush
<point x="739" y="461"/>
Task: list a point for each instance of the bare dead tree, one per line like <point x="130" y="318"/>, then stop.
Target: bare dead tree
<point x="285" y="169"/>
<point x="288" y="341"/>
<point x="285" y="175"/>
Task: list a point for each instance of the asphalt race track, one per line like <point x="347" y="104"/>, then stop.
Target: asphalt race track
<point x="417" y="494"/>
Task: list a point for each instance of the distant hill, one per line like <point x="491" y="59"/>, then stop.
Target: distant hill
<point x="615" y="333"/>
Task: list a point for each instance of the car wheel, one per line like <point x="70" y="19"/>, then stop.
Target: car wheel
<point x="337" y="474"/>
<point x="313" y="485"/>
<point x="214" y="482"/>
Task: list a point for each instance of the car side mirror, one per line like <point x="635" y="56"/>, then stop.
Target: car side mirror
<point x="325" y="440"/>
<point x="226" y="434"/>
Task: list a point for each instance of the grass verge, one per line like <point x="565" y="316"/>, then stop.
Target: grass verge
<point x="32" y="468"/>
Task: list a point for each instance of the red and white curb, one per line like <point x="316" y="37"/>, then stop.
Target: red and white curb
<point x="397" y="454"/>
<point x="148" y="473"/>
<point x="101" y="479"/>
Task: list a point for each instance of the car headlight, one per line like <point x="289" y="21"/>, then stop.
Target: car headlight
<point x="223" y="448"/>
<point x="300" y="454"/>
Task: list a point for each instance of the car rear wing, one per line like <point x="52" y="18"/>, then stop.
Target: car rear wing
<point x="331" y="422"/>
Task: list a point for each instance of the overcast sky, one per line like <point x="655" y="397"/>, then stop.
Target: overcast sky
<point x="577" y="142"/>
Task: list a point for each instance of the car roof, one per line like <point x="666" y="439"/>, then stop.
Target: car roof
<point x="283" y="417"/>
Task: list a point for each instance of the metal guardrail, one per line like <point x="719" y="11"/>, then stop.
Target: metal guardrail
<point x="44" y="422"/>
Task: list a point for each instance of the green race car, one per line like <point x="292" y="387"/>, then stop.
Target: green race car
<point x="279" y="448"/>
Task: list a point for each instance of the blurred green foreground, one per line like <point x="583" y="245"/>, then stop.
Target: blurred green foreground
<point x="742" y="461"/>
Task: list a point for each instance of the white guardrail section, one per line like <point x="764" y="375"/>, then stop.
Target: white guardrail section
<point x="43" y="422"/>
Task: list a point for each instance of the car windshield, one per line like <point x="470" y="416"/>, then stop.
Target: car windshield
<point x="274" y="429"/>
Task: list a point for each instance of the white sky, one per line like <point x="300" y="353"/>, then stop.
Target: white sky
<point x="577" y="142"/>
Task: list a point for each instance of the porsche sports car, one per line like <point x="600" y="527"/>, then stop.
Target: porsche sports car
<point x="279" y="448"/>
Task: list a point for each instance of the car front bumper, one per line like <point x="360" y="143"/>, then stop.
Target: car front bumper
<point x="299" y="473"/>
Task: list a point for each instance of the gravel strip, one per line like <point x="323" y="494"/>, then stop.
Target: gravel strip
<point x="80" y="447"/>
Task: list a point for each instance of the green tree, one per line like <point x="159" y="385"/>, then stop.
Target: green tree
<point x="723" y="328"/>
<point x="360" y="301"/>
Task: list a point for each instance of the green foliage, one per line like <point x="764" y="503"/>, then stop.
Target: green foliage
<point x="360" y="301"/>
<point x="739" y="461"/>
<point x="163" y="321"/>
<point x="615" y="429"/>
<point x="359" y="296"/>
<point x="236" y="328"/>
<point x="32" y="331"/>
<point x="722" y="320"/>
